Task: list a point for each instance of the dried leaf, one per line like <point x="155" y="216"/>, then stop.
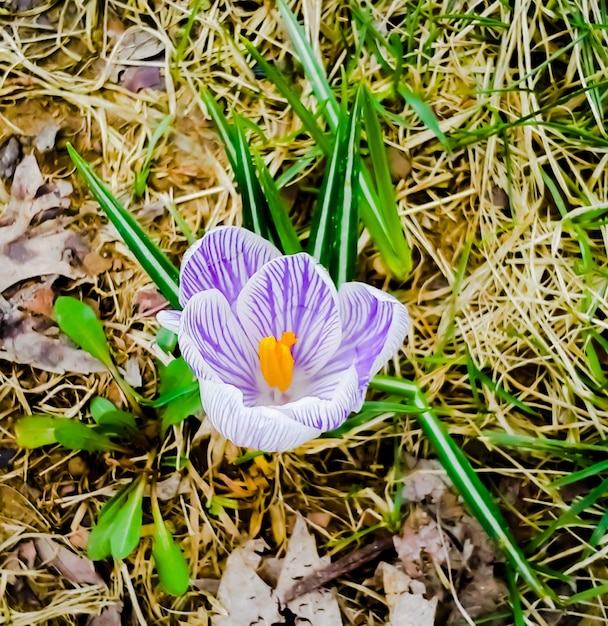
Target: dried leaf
<point x="428" y="478"/>
<point x="407" y="606"/>
<point x="319" y="607"/>
<point x="30" y="251"/>
<point x="25" y="340"/>
<point x="77" y="569"/>
<point x="246" y="598"/>
<point x="421" y="534"/>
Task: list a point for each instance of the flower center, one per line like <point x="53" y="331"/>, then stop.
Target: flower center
<point x="276" y="360"/>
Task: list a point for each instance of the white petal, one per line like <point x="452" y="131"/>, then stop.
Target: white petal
<point x="327" y="414"/>
<point x="374" y="326"/>
<point x="223" y="259"/>
<point x="293" y="294"/>
<point x="212" y="341"/>
<point x="169" y="320"/>
<point x="260" y="428"/>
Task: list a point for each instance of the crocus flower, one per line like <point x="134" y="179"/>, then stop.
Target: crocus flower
<point x="281" y="355"/>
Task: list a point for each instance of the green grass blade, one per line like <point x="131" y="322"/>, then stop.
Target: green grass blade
<point x="224" y="128"/>
<point x="382" y="206"/>
<point x="425" y="113"/>
<point x="462" y="474"/>
<point x="596" y="468"/>
<point x="157" y="265"/>
<point x="556" y="446"/>
<point x="314" y="72"/>
<point x="289" y="242"/>
<point x="569" y="516"/>
<point x="294" y="99"/>
<point x="333" y="232"/>
<point x="390" y="241"/>
<point x="183" y="42"/>
<point x="256" y="212"/>
<point x="141" y="177"/>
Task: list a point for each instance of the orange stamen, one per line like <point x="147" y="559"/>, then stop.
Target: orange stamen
<point x="276" y="360"/>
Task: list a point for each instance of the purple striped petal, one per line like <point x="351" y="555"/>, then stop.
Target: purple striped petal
<point x="293" y="293"/>
<point x="224" y="259"/>
<point x="214" y="345"/>
<point x="169" y="320"/>
<point x="259" y="427"/>
<point x="374" y="326"/>
<point x="327" y="413"/>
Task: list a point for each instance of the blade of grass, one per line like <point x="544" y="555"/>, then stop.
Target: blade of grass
<point x="569" y="516"/>
<point x="290" y="244"/>
<point x="141" y="177"/>
<point x="470" y="487"/>
<point x="390" y="241"/>
<point x="333" y="232"/>
<point x="154" y="262"/>
<point x="596" y="468"/>
<point x="294" y="99"/>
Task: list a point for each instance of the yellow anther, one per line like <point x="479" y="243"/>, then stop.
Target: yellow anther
<point x="276" y="360"/>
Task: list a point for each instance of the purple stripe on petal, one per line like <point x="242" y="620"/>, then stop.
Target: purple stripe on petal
<point x="293" y="293"/>
<point x="224" y="259"/>
<point x="374" y="326"/>
<point x="327" y="414"/>
<point x="210" y="334"/>
<point x="260" y="428"/>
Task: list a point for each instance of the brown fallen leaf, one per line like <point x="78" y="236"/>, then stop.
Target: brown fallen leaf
<point x="28" y="340"/>
<point x="405" y="599"/>
<point x="30" y="250"/>
<point x="248" y="600"/>
<point x="77" y="569"/>
<point x="318" y="607"/>
<point x="421" y="534"/>
<point x="244" y="596"/>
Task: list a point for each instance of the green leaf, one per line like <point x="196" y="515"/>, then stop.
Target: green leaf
<point x="98" y="406"/>
<point x="98" y="545"/>
<point x="175" y="375"/>
<point x="117" y="423"/>
<point x="75" y="435"/>
<point x="126" y="529"/>
<point x="79" y="322"/>
<point x="34" y="431"/>
<point x="166" y="340"/>
<point x="157" y="265"/>
<point x="334" y="229"/>
<point x="170" y="562"/>
<point x="181" y="408"/>
<point x="470" y="487"/>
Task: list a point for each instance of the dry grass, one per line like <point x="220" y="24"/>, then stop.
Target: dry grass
<point x="499" y="281"/>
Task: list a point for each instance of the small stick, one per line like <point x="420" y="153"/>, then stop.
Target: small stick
<point x="344" y="565"/>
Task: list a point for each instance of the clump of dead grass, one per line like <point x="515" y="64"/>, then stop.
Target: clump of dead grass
<point x="500" y="283"/>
